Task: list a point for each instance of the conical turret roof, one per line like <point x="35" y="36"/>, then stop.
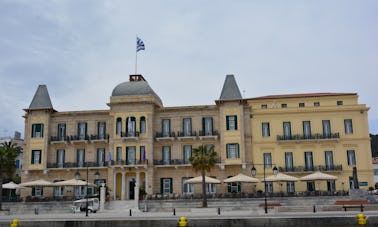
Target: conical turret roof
<point x="230" y="89"/>
<point x="41" y="99"/>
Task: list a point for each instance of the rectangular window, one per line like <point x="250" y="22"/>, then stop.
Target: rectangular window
<point x="142" y="125"/>
<point x="166" y="185"/>
<point x="82" y="130"/>
<point x="348" y="126"/>
<point x="331" y="186"/>
<point x="207" y="126"/>
<point x="37" y="191"/>
<point x="130" y="155"/>
<point x="61" y="131"/>
<point x="329" y="160"/>
<point x="283" y="105"/>
<point x="309" y="164"/>
<point x="234" y="187"/>
<point x="267" y="160"/>
<point x="287" y="130"/>
<point x="143" y="156"/>
<point x="37" y="130"/>
<point x="131" y="127"/>
<point x="101" y="130"/>
<point x="231" y="122"/>
<point x="101" y="156"/>
<point x="36" y="157"/>
<point x="269" y="187"/>
<point x="166" y="155"/>
<point x="60" y="158"/>
<point x="316" y="103"/>
<point x="351" y="158"/>
<point x="119" y="154"/>
<point x="119" y="126"/>
<point x="265" y="129"/>
<point x="58" y="191"/>
<point x="187" y="126"/>
<point x="80" y="157"/>
<point x="187" y="188"/>
<point x="340" y="103"/>
<point x="290" y="186"/>
<point x="211" y="188"/>
<point x="166" y="127"/>
<point x="264" y="106"/>
<point x="187" y="153"/>
<point x="376" y="172"/>
<point x="289" y="161"/>
<point x="301" y="104"/>
<point x="306" y="129"/>
<point x="326" y="128"/>
<point x="232" y="150"/>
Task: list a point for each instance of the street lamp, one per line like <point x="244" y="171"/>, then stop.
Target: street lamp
<point x="253" y="172"/>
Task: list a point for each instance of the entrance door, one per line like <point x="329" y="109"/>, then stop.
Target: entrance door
<point x="131" y="189"/>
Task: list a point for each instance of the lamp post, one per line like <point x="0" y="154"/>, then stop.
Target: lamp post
<point x="86" y="210"/>
<point x="253" y="172"/>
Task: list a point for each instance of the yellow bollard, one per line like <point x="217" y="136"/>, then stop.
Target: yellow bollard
<point x="183" y="222"/>
<point x="14" y="223"/>
<point x="361" y="219"/>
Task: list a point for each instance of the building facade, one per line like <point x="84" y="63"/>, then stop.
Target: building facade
<point x="140" y="145"/>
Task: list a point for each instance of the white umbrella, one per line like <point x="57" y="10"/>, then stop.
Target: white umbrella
<point x="318" y="176"/>
<point x="72" y="182"/>
<point x="280" y="177"/>
<point x="11" y="185"/>
<point x="37" y="183"/>
<point x="198" y="180"/>
<point x="241" y="178"/>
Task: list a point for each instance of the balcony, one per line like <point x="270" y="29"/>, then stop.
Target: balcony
<point x="79" y="139"/>
<point x="318" y="136"/>
<point x="187" y="135"/>
<point x="130" y="135"/>
<point x="165" y="136"/>
<point x="208" y="135"/>
<point x="301" y="169"/>
<point x="171" y="162"/>
<point x="76" y="164"/>
<point x="59" y="139"/>
<point x="99" y="138"/>
<point x="129" y="162"/>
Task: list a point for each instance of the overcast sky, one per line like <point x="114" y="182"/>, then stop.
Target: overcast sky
<point x="82" y="49"/>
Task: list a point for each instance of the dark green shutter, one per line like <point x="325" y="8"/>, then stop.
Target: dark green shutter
<point x="161" y="185"/>
<point x="32" y="157"/>
<point x="236" y="122"/>
<point x="33" y="191"/>
<point x="227" y="123"/>
<point x="171" y="185"/>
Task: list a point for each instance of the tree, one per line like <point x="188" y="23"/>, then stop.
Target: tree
<point x="8" y="155"/>
<point x="374" y="145"/>
<point x="203" y="159"/>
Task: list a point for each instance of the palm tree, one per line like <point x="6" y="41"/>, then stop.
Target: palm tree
<point x="8" y="154"/>
<point x="203" y="159"/>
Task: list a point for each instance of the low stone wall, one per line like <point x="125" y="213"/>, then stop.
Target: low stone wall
<point x="261" y="222"/>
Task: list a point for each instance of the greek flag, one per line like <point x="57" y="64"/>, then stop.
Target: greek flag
<point x="140" y="44"/>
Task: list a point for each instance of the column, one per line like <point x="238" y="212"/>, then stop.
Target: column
<point x="123" y="186"/>
<point x="114" y="186"/>
<point x="102" y="197"/>
<point x="136" y="188"/>
<point x="146" y="183"/>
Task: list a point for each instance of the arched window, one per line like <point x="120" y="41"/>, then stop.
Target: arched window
<point x="142" y="125"/>
<point x="130" y="127"/>
<point x="119" y="126"/>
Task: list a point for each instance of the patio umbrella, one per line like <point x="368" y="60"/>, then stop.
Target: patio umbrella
<point x="280" y="177"/>
<point x="198" y="180"/>
<point x="242" y="179"/>
<point x="318" y="176"/>
<point x="72" y="182"/>
<point x="11" y="185"/>
<point x="37" y="183"/>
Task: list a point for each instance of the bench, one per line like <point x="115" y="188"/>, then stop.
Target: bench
<point x="345" y="207"/>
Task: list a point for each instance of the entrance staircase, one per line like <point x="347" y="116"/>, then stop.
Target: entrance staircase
<point x="122" y="206"/>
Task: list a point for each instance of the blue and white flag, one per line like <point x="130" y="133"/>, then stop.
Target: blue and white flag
<point x="140" y="44"/>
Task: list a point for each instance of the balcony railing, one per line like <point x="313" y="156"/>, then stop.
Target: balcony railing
<point x="176" y="162"/>
<point x="323" y="168"/>
<point x="59" y="138"/>
<point x="76" y="164"/>
<point x="208" y="133"/>
<point x="129" y="134"/>
<point x="129" y="162"/>
<point x="317" y="136"/>
<point x="165" y="135"/>
<point x="187" y="134"/>
<point x="79" y="138"/>
<point x="99" y="137"/>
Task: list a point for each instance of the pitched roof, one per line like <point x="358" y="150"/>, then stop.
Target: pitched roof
<point x="230" y="89"/>
<point x="41" y="99"/>
<point x="301" y="95"/>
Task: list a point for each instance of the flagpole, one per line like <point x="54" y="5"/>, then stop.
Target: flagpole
<point x="136" y="56"/>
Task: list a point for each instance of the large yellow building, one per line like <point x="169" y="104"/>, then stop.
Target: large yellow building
<point x="139" y="144"/>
